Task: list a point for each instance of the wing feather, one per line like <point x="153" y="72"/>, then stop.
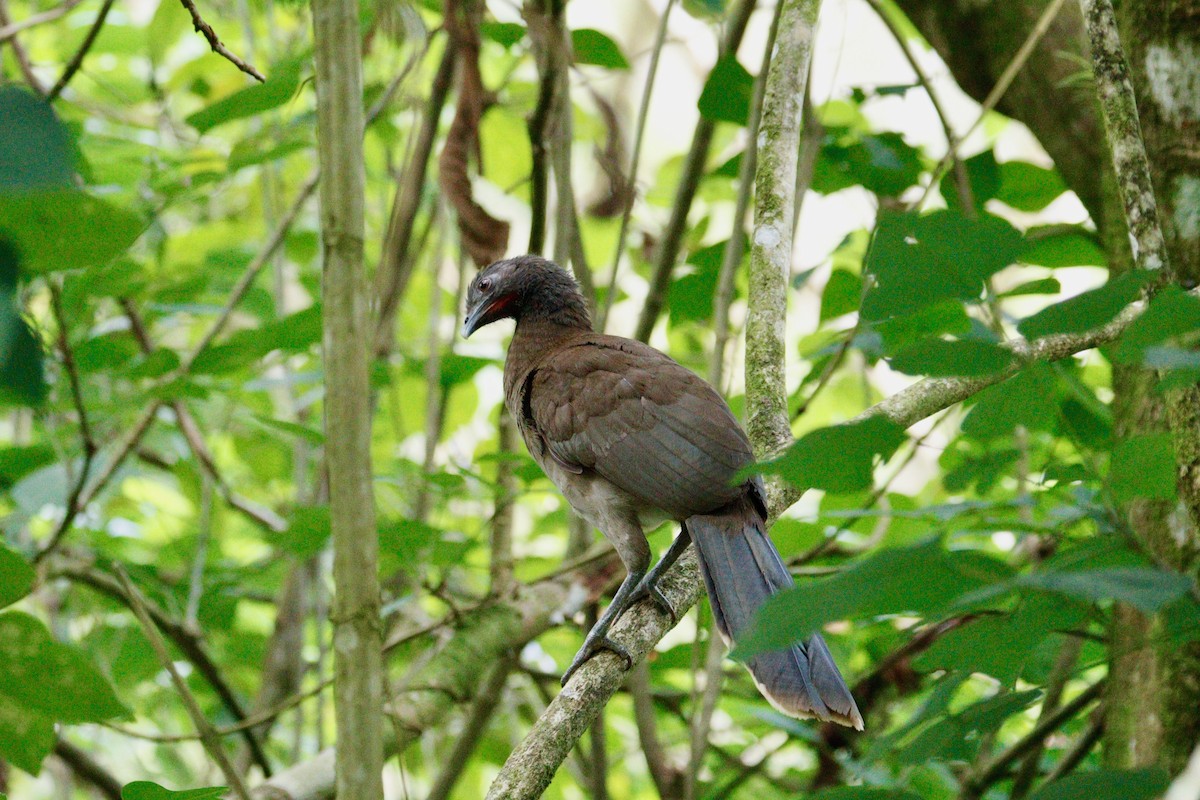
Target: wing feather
<point x="642" y="421"/>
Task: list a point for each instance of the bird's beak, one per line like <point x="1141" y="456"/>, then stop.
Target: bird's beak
<point x="474" y="319"/>
<point x="485" y="313"/>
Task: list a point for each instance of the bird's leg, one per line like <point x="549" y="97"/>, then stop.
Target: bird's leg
<point x="597" y="638"/>
<point x="648" y="588"/>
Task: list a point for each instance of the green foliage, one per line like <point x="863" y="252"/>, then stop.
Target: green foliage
<point x="148" y="790"/>
<point x="593" y="47"/>
<point x="44" y="681"/>
<point x="728" y="93"/>
<point x="279" y="88"/>
<point x="16" y="577"/>
<point x="925" y="579"/>
<point x="880" y="162"/>
<point x="1087" y="310"/>
<point x="1108" y="784"/>
<point x="839" y="458"/>
<point x="947" y="567"/>
<point x="917" y="260"/>
<point x="939" y="357"/>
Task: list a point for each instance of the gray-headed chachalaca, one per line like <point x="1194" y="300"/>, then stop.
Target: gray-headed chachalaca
<point x="631" y="439"/>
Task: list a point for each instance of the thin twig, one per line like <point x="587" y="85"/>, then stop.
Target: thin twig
<point x="998" y="90"/>
<point x="1079" y="751"/>
<point x="395" y="262"/>
<point x="667" y="250"/>
<point x="86" y="769"/>
<point x="665" y="776"/>
<point x="208" y="735"/>
<point x="714" y="678"/>
<point x="9" y="30"/>
<point x="18" y="50"/>
<point x="962" y="181"/>
<point x="489" y="696"/>
<point x="87" y="441"/>
<point x="215" y="43"/>
<point x="660" y="38"/>
<point x="73" y="66"/>
<point x="995" y="769"/>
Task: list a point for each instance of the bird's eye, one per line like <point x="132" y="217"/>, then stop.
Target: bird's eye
<point x="485" y="284"/>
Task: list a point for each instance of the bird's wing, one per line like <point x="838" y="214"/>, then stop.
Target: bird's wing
<point x="642" y="421"/>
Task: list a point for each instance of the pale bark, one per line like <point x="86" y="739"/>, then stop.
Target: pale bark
<point x="357" y="643"/>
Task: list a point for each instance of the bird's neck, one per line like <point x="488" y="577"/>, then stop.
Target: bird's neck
<point x="534" y="337"/>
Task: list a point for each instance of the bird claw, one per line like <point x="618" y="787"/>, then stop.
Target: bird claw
<point x="591" y="646"/>
<point x="651" y="592"/>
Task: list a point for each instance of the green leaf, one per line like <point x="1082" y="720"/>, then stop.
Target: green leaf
<point x="22" y="377"/>
<point x="505" y="34"/>
<point x="1143" y="466"/>
<point x="983" y="176"/>
<point x="1040" y="286"/>
<point x="147" y="790"/>
<point x="1000" y="645"/>
<point x="956" y="736"/>
<point x="1172" y="313"/>
<point x="291" y="429"/>
<point x="17" y="462"/>
<point x="595" y="48"/>
<point x="727" y="92"/>
<point x="1107" y="784"/>
<point x="44" y="681"/>
<point x="842" y="293"/>
<point x="16" y="577"/>
<point x="864" y="793"/>
<point x="1145" y="588"/>
<point x="924" y="579"/>
<point x="26" y="737"/>
<point x="882" y="163"/>
<point x="691" y="295"/>
<point x="840" y="458"/>
<point x="50" y="677"/>
<point x="1073" y="246"/>
<point x="307" y="532"/>
<point x="62" y="229"/>
<point x="940" y="358"/>
<point x="35" y="150"/>
<point x="278" y="89"/>
<point x="1026" y="399"/>
<point x="1086" y="310"/>
<point x="1028" y="187"/>
<point x="943" y="317"/>
<point x="918" y="260"/>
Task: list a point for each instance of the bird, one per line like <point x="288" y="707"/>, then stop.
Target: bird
<point x="632" y="439"/>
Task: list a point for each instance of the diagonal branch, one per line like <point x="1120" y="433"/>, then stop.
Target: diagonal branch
<point x="77" y="61"/>
<point x="215" y="43"/>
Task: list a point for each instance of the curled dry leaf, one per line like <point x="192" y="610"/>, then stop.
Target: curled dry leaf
<point x="484" y="237"/>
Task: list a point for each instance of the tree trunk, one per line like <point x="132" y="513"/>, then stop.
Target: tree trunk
<point x="358" y="685"/>
<point x="1154" y="697"/>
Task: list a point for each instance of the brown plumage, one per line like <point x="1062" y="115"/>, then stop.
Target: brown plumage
<point x="632" y="438"/>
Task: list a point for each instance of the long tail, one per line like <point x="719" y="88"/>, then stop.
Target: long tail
<point x="741" y="569"/>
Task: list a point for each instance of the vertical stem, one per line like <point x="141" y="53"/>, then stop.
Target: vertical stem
<point x="735" y="246"/>
<point x="358" y="685"/>
<point x="771" y="245"/>
<point x="660" y="39"/>
<point x="1124" y="128"/>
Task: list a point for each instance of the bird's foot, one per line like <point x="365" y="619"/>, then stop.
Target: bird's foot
<point x="648" y="590"/>
<point x="591" y="646"/>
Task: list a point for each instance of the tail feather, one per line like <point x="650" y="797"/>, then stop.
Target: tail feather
<point x="741" y="569"/>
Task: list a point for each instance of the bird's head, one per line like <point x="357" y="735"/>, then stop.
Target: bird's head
<point x="524" y="287"/>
